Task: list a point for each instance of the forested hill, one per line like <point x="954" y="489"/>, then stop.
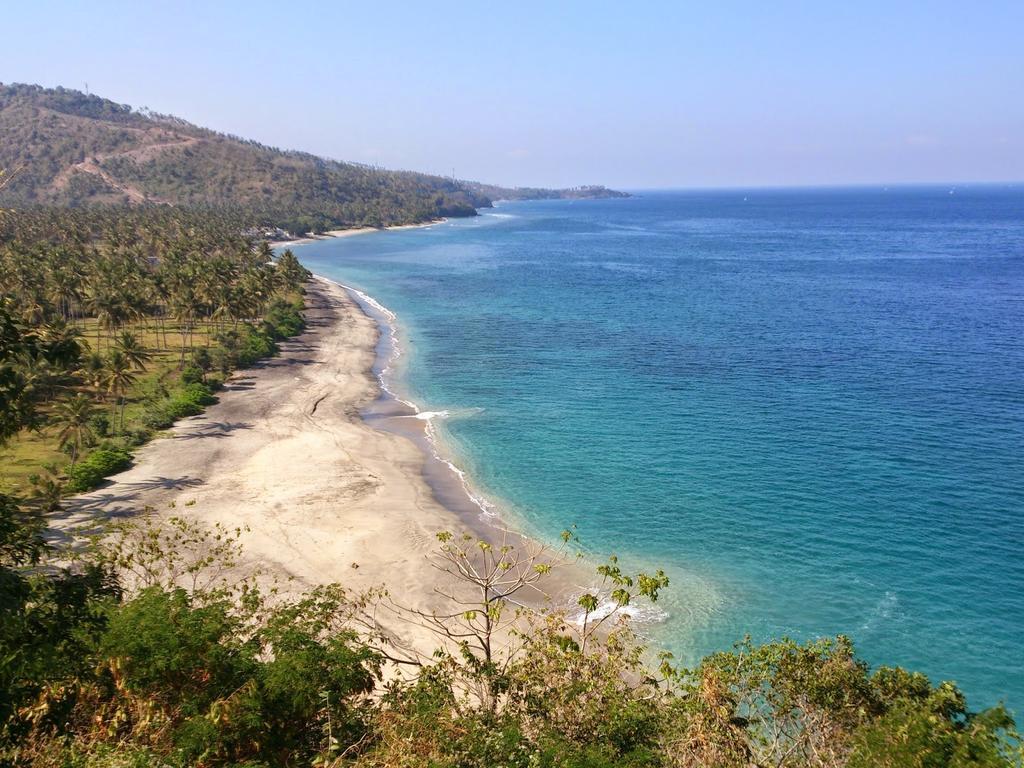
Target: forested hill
<point x="585" y="192"/>
<point x="71" y="148"/>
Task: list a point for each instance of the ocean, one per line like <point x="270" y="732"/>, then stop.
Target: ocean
<point x="807" y="406"/>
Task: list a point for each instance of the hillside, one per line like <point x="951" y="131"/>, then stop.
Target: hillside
<point x="585" y="192"/>
<point x="70" y="148"/>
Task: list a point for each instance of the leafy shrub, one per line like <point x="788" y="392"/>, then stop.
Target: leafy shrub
<point x="223" y="696"/>
<point x="283" y="319"/>
<point x="188" y="401"/>
<point x="197" y="393"/>
<point x="243" y="347"/>
<point x="138" y="436"/>
<point x="222" y="359"/>
<point x="935" y="729"/>
<point x="98" y="465"/>
<point x="156" y="417"/>
<point x="254" y="347"/>
<point x="201" y="359"/>
<point x="172" y="649"/>
<point x="192" y="374"/>
<point x="100" y="423"/>
<point x="221" y="677"/>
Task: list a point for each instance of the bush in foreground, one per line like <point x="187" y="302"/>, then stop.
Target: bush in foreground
<point x="283" y="319"/>
<point x="99" y="464"/>
<point x="195" y="667"/>
<point x="190" y="400"/>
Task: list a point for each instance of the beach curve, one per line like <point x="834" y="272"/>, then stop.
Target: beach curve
<point x="312" y="459"/>
<point x="322" y="496"/>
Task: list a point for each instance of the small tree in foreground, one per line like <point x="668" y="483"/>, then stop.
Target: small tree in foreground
<point x="816" y="705"/>
<point x="493" y="592"/>
<point x="186" y="660"/>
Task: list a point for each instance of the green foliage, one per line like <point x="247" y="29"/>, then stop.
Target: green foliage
<point x="164" y="646"/>
<point x="815" y="704"/>
<point x="196" y="393"/>
<point x="19" y="394"/>
<point x="283" y="319"/>
<point x="73" y="418"/>
<point x="47" y="623"/>
<point x="242" y="347"/>
<point x="915" y="735"/>
<point x="292" y="273"/>
<point x="47" y="488"/>
<point x="214" y="685"/>
<point x="192" y="374"/>
<point x="198" y="667"/>
<point x="98" y="465"/>
<point x="100" y="424"/>
<point x="105" y="307"/>
<point x="20" y="541"/>
<point x="190" y="400"/>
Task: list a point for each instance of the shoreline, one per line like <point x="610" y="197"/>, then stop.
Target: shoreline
<point x="321" y="494"/>
<point x="393" y="413"/>
<point x="332" y="233"/>
<point x="452" y="486"/>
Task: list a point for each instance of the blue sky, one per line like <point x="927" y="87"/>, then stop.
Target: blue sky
<point x="644" y="94"/>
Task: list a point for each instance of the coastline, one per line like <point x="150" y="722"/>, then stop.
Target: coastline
<point x="452" y="486"/>
<point x="321" y="493"/>
<point x="332" y="233"/>
<point x="393" y="413"/>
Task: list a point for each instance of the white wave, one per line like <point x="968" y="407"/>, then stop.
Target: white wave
<point x="428" y="415"/>
<point x="642" y="614"/>
<point x="458" y="413"/>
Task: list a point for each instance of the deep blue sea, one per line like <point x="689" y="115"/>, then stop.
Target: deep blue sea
<point x="808" y="406"/>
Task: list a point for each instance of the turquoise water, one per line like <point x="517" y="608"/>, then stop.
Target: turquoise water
<point x="808" y="406"/>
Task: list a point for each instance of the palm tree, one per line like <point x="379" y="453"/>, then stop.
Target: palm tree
<point x="156" y="297"/>
<point x="186" y="307"/>
<point x="64" y="281"/>
<point x="94" y="371"/>
<point x="129" y="345"/>
<point x="119" y="377"/>
<point x="291" y="273"/>
<point x="37" y="373"/>
<point x="73" y="417"/>
<point x="61" y="344"/>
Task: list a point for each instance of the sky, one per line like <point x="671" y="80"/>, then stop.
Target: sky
<point x="630" y="94"/>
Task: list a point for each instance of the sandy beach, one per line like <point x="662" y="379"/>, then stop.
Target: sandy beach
<point x="326" y="496"/>
<point x="349" y="233"/>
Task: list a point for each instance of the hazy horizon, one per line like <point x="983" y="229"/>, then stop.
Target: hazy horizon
<point x="660" y="97"/>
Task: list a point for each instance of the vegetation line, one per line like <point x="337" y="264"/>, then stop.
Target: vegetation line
<point x="117" y="324"/>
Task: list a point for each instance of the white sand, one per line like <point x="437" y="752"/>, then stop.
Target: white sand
<point x="349" y="233"/>
<point x="326" y="497"/>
